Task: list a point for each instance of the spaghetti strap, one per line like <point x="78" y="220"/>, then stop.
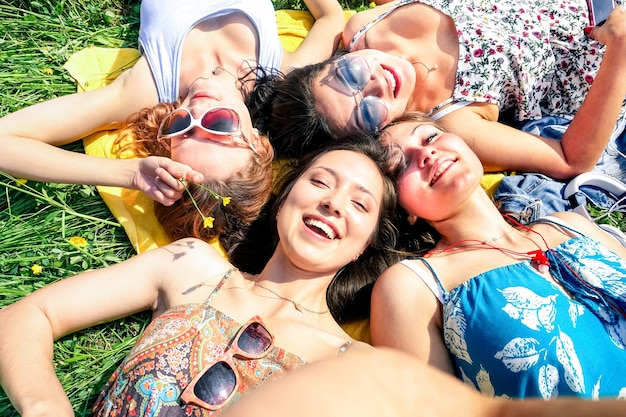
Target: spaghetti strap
<point x="433" y="284"/>
<point x="218" y="286"/>
<point x="372" y="22"/>
<point x="446" y="107"/>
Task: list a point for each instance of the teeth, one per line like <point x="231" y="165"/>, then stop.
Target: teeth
<point x="393" y="80"/>
<point x="440" y="171"/>
<point x="326" y="229"/>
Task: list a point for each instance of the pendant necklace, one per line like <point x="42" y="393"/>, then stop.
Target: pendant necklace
<point x="295" y="304"/>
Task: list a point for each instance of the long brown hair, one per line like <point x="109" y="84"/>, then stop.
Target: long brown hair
<point x="249" y="189"/>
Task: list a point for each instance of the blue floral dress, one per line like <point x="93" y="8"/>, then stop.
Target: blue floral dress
<point x="513" y="333"/>
<point x="528" y="56"/>
<point x="173" y="349"/>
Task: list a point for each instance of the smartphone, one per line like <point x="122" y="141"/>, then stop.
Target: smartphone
<point x="599" y="11"/>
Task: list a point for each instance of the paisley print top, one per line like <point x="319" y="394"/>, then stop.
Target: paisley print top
<point x="528" y="56"/>
<point x="173" y="349"/>
<point x="513" y="333"/>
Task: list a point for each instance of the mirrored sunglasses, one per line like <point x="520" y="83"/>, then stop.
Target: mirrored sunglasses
<point x="214" y="386"/>
<point x="222" y="121"/>
<point x="354" y="73"/>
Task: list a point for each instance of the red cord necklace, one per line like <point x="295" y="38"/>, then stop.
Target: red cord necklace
<point x="537" y="257"/>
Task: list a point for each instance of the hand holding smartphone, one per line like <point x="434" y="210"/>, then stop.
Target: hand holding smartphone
<point x="599" y="11"/>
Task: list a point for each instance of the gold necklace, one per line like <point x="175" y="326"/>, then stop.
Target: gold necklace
<point x="296" y="305"/>
<point x="429" y="69"/>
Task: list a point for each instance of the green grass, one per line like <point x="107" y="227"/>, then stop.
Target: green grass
<point x="37" y="220"/>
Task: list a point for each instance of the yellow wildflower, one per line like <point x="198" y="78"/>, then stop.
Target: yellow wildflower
<point x="208" y="222"/>
<point x="78" y="241"/>
<point x="225" y="201"/>
<point x="21" y="181"/>
<point x="36" y="269"/>
<point x="48" y="71"/>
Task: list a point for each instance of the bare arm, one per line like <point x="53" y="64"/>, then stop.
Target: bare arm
<point x="406" y="315"/>
<point x="501" y="147"/>
<point x="29" y="140"/>
<point x="147" y="281"/>
<point x="384" y="382"/>
<point x="322" y="39"/>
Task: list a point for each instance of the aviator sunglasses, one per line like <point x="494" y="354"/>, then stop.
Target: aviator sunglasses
<point x="214" y="386"/>
<point x="354" y="73"/>
<point x="222" y="121"/>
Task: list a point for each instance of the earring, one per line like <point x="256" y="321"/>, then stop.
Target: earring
<point x="411" y="219"/>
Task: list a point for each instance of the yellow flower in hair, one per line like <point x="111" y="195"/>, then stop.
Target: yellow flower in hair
<point x="36" y="269"/>
<point x="78" y="241"/>
<point x="208" y="222"/>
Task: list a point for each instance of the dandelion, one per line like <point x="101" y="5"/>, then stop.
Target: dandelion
<point x="78" y="241"/>
<point x="36" y="269"/>
<point x="207" y="221"/>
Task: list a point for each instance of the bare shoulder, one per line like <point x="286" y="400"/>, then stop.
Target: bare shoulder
<point x="576" y="221"/>
<point x="591" y="229"/>
<point x="400" y="276"/>
<point x="400" y="287"/>
<point x="191" y="252"/>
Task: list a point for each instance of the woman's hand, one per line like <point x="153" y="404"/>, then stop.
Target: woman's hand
<point x="159" y="178"/>
<point x="613" y="32"/>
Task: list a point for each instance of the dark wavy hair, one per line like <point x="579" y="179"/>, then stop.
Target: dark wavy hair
<point x="249" y="188"/>
<point x="284" y="108"/>
<point x="348" y="295"/>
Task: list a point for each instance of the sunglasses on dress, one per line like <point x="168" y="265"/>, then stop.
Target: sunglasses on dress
<point x="354" y="73"/>
<point x="214" y="386"/>
<point x="222" y="121"/>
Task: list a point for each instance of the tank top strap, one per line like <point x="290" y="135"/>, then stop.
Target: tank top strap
<point x="377" y="19"/>
<point x="446" y="107"/>
<point x="432" y="282"/>
<point x="218" y="286"/>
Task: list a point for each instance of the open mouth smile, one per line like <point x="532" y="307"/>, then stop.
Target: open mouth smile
<point x="321" y="228"/>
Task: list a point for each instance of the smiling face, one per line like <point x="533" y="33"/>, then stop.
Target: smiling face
<point x="205" y="151"/>
<point x="381" y="76"/>
<point x="440" y="170"/>
<point x="331" y="211"/>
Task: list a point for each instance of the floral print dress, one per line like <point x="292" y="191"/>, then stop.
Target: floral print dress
<point x="173" y="349"/>
<point x="528" y="56"/>
<point x="513" y="333"/>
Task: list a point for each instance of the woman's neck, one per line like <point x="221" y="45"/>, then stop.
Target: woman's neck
<point x="480" y="221"/>
<point x="228" y="42"/>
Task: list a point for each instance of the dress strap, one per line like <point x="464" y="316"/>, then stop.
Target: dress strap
<point x="445" y="108"/>
<point x="218" y="286"/>
<point x="432" y="282"/>
<point x="377" y="19"/>
<point x="561" y="223"/>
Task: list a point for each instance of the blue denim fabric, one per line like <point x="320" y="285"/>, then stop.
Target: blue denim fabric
<point x="531" y="196"/>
